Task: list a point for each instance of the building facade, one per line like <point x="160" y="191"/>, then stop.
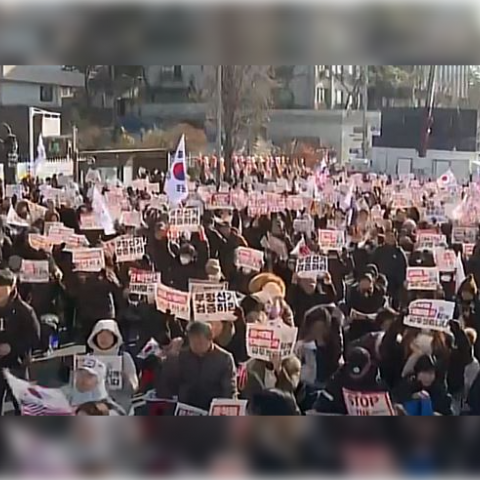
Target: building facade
<point x="43" y="86"/>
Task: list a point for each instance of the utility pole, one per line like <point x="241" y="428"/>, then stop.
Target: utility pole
<point x="76" y="172"/>
<point x="365" y="129"/>
<point x="219" y="124"/>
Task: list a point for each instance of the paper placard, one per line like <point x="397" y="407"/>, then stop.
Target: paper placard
<point x="303" y="226"/>
<point x="184" y="410"/>
<point x="174" y="301"/>
<point x="35" y="271"/>
<point x="114" y="364"/>
<point x="429" y="241"/>
<point x="49" y="225"/>
<point x="249" y="258"/>
<point x="215" y="306"/>
<point x="312" y="265"/>
<point x="422" y="278"/>
<point x="224" y="407"/>
<point x="219" y="201"/>
<point x="131" y="219"/>
<point x="129" y="249"/>
<point x="265" y="340"/>
<point x="74" y="241"/>
<point x="37" y="212"/>
<point x="331" y="239"/>
<point x="89" y="221"/>
<point x="88" y="259"/>
<point x="184" y="219"/>
<point x="40" y="242"/>
<point x="199" y="286"/>
<point x="362" y="404"/>
<point x="295" y="202"/>
<point x="143" y="283"/>
<point x="445" y="260"/>
<point x="430" y="314"/>
<point x="464" y="235"/>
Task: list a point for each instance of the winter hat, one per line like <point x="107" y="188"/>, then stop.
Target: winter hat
<point x="358" y="362"/>
<point x="426" y="363"/>
<point x="267" y="281"/>
<point x="213" y="267"/>
<point x="469" y="285"/>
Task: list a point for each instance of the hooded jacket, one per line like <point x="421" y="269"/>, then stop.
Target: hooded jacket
<point x="130" y="379"/>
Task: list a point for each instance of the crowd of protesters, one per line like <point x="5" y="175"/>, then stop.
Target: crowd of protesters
<point x="354" y="336"/>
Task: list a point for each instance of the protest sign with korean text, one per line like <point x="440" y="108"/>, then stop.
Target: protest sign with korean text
<point x="199" y="286"/>
<point x="220" y="201"/>
<point x="88" y="259"/>
<point x="129" y="249"/>
<point x="262" y="341"/>
<point x="363" y="404"/>
<point x="215" y="306"/>
<point x="40" y="242"/>
<point x="312" y="265"/>
<point x="143" y="282"/>
<point x="445" y="260"/>
<point x="226" y="407"/>
<point x="303" y="225"/>
<point x="429" y="241"/>
<point x="422" y="278"/>
<point x="249" y="258"/>
<point x="89" y="221"/>
<point x="184" y="410"/>
<point x="174" y="301"/>
<point x="114" y="364"/>
<point x="464" y="235"/>
<point x="331" y="239"/>
<point x="430" y="314"/>
<point x="184" y="219"/>
<point x="35" y="271"/>
<point x="131" y="219"/>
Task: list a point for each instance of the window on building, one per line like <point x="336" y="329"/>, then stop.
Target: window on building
<point x="339" y="97"/>
<point x="46" y="93"/>
<point x="177" y="72"/>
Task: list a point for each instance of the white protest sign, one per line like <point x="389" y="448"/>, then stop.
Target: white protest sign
<point x="74" y="241"/>
<point x="131" y="219"/>
<point x="199" y="286"/>
<point x="288" y="339"/>
<point x="225" y="407"/>
<point x="422" y="278"/>
<point x="303" y="225"/>
<point x="445" y="260"/>
<point x="184" y="410"/>
<point x="262" y="341"/>
<point x="129" y="249"/>
<point x="174" y="301"/>
<point x="114" y="364"/>
<point x="219" y="201"/>
<point x="49" y="225"/>
<point x="430" y="314"/>
<point x="143" y="282"/>
<point x="429" y="241"/>
<point x="249" y="258"/>
<point x="40" y="242"/>
<point x="331" y="239"/>
<point x="312" y="265"/>
<point x="89" y="221"/>
<point x="295" y="202"/>
<point x="215" y="306"/>
<point x="88" y="259"/>
<point x="362" y="404"/>
<point x="464" y="234"/>
<point x="184" y="219"/>
<point x="34" y="271"/>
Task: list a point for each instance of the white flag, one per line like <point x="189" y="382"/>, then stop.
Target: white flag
<point x="38" y="401"/>
<point x="176" y="186"/>
<point x="459" y="273"/>
<point x="101" y="211"/>
<point x="41" y="156"/>
<point x="447" y="180"/>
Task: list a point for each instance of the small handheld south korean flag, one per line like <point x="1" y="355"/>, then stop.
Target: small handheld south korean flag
<point x="447" y="180"/>
<point x="151" y="348"/>
<point x="176" y="186"/>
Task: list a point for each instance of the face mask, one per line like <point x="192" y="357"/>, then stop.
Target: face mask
<point x="185" y="259"/>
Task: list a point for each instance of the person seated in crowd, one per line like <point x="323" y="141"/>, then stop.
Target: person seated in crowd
<point x="424" y="385"/>
<point x="199" y="372"/>
<point x="358" y="374"/>
<point x="106" y="340"/>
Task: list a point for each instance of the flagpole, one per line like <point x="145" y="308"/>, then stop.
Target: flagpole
<point x="219" y="123"/>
